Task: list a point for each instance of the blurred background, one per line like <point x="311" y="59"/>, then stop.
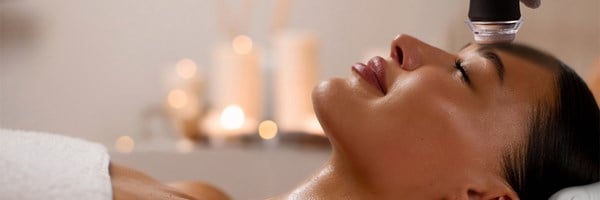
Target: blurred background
<point x="218" y="90"/>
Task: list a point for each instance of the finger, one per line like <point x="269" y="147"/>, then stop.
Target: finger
<point x="532" y="3"/>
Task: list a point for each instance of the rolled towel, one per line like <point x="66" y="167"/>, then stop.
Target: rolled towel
<point x="584" y="192"/>
<point x="46" y="166"/>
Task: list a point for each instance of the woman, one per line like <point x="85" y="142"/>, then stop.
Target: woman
<point x="492" y="122"/>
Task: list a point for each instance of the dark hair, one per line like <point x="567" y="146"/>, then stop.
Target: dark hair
<point x="562" y="146"/>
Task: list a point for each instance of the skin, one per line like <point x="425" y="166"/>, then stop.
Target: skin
<point x="432" y="136"/>
<point x="131" y="184"/>
<point x="594" y="79"/>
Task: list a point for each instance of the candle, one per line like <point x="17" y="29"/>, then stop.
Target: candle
<point x="226" y="125"/>
<point x="295" y="76"/>
<point x="237" y="80"/>
<point x="232" y="117"/>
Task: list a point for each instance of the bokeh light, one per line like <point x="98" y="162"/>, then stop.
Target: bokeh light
<point x="177" y="98"/>
<point x="124" y="144"/>
<point x="267" y="130"/>
<point x="184" y="146"/>
<point x="242" y="44"/>
<point x="186" y="68"/>
<point x="232" y="117"/>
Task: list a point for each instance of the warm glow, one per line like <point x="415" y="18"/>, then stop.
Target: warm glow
<point x="177" y="98"/>
<point x="242" y="44"/>
<point x="184" y="146"/>
<point x="186" y="68"/>
<point x="314" y="127"/>
<point x="232" y="117"/>
<point x="124" y="144"/>
<point x="267" y="129"/>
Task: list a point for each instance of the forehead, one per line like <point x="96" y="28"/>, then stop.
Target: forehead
<point x="527" y="85"/>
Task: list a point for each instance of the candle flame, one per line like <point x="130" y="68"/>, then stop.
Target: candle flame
<point x="232" y="117"/>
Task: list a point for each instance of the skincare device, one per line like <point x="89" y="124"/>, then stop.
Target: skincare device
<point x="494" y="21"/>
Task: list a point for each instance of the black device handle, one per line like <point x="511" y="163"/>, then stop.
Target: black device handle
<point x="494" y="10"/>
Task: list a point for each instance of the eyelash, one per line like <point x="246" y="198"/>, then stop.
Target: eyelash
<point x="465" y="75"/>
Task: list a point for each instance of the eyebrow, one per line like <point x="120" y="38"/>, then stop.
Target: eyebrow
<point x="492" y="56"/>
<point x="488" y="53"/>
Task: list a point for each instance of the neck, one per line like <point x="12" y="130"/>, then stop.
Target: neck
<point x="333" y="181"/>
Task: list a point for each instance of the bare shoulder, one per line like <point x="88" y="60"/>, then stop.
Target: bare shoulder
<point x="200" y="190"/>
<point x="128" y="183"/>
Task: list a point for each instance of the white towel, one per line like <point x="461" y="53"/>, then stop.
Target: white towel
<point x="585" y="192"/>
<point x="45" y="166"/>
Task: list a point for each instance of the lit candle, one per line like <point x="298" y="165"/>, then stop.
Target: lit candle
<point x="237" y="80"/>
<point x="232" y="117"/>
<point x="226" y="125"/>
<point x="295" y="76"/>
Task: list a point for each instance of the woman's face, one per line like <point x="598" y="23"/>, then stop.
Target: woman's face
<point x="415" y="119"/>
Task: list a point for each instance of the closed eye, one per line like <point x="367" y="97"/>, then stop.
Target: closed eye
<point x="465" y="76"/>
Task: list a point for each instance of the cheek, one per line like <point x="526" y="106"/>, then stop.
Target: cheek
<point x="413" y="121"/>
<point x="422" y="112"/>
<point x="428" y="97"/>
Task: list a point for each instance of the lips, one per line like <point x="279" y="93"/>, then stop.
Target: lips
<point x="373" y="72"/>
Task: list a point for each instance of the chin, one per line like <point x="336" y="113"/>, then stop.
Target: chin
<point x="324" y="96"/>
<point x="337" y="106"/>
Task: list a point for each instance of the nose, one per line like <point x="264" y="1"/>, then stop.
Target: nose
<point x="412" y="53"/>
